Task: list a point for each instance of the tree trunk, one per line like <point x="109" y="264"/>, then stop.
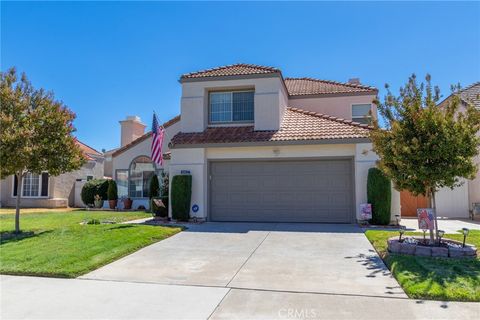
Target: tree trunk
<point x="17" y="205"/>
<point x="434" y="207"/>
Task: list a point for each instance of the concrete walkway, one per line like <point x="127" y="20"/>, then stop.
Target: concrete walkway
<point x="47" y="298"/>
<point x="448" y="225"/>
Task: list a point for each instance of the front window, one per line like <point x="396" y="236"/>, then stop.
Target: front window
<point x="31" y="185"/>
<point x="361" y="113"/>
<point x="142" y="170"/>
<point x="235" y="106"/>
<point x="122" y="183"/>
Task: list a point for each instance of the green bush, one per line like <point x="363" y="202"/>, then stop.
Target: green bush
<point x="158" y="210"/>
<point x="154" y="186"/>
<point x="92" y="188"/>
<point x="379" y="194"/>
<point x="181" y="196"/>
<point x="112" y="192"/>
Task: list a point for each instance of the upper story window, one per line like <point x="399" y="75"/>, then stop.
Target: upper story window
<point x="361" y="113"/>
<point x="233" y="106"/>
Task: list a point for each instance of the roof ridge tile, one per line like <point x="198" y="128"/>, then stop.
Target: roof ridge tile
<point x="353" y="85"/>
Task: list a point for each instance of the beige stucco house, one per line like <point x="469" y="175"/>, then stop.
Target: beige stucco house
<point x="261" y="147"/>
<point x="469" y="192"/>
<point x="45" y="191"/>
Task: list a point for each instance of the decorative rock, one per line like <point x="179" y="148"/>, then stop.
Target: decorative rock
<point x="407" y="248"/>
<point x="470" y="251"/>
<point x="455" y="252"/>
<point x="423" y="251"/>
<point x="394" y="245"/>
<point x="439" y="252"/>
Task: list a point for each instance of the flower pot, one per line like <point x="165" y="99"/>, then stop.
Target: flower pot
<point x="98" y="203"/>
<point x="127" y="204"/>
<point x="112" y="204"/>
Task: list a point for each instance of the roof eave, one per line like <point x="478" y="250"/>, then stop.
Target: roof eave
<point x="334" y="94"/>
<point x="232" y="77"/>
<point x="272" y="143"/>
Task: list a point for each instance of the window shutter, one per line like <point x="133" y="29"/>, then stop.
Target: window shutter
<point x="15" y="184"/>
<point x="44" y="192"/>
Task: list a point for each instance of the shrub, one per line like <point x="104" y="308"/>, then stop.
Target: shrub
<point x="181" y="196"/>
<point x="379" y="194"/>
<point x="154" y="186"/>
<point x="93" y="221"/>
<point x="112" y="192"/>
<point x="92" y="188"/>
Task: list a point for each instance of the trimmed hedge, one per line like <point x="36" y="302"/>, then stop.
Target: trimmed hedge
<point x="379" y="194"/>
<point x="112" y="192"/>
<point x="154" y="187"/>
<point x="92" y="188"/>
<point x="181" y="196"/>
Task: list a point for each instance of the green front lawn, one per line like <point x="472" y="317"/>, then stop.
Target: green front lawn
<point x="56" y="244"/>
<point x="432" y="278"/>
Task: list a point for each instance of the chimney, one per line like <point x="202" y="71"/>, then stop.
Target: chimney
<point x="354" y="81"/>
<point x="131" y="129"/>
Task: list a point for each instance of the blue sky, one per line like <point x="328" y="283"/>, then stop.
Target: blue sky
<point x="107" y="60"/>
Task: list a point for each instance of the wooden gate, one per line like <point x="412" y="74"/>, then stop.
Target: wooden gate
<point x="410" y="203"/>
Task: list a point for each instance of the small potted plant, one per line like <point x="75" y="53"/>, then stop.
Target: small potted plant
<point x="97" y="201"/>
<point x="112" y="194"/>
<point x="127" y="203"/>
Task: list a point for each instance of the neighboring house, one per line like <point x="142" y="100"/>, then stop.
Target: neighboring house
<point x="458" y="202"/>
<point x="45" y="191"/>
<point x="261" y="147"/>
<point x="468" y="95"/>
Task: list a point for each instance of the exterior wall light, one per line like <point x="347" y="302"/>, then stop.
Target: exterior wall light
<point x="401" y="231"/>
<point x="465" y="232"/>
<point x="440" y="235"/>
<point x="424" y="232"/>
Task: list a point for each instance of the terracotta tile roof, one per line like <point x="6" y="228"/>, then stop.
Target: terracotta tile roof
<point x="471" y="94"/>
<point x="297" y="125"/>
<point x="88" y="151"/>
<point x="231" y="70"/>
<point x="309" y="86"/>
<point x="144" y="136"/>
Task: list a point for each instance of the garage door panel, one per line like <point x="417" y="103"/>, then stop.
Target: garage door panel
<point x="284" y="191"/>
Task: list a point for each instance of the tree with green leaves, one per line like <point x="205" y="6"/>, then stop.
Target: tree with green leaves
<point x="425" y="147"/>
<point x="35" y="133"/>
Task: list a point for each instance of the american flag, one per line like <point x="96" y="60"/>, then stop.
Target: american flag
<point x="157" y="141"/>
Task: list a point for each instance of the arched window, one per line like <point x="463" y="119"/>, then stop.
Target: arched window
<point x="141" y="171"/>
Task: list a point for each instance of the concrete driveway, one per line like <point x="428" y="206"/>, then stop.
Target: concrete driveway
<point x="307" y="258"/>
<point x="233" y="271"/>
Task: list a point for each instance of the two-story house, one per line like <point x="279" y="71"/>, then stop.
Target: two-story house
<point x="261" y="147"/>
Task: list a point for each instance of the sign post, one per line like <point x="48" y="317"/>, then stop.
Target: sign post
<point x="426" y="220"/>
<point x="366" y="211"/>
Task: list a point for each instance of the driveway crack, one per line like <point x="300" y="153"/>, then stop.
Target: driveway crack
<point x="251" y="254"/>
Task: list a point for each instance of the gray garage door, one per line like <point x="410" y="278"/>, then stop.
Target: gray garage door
<point x="282" y="191"/>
